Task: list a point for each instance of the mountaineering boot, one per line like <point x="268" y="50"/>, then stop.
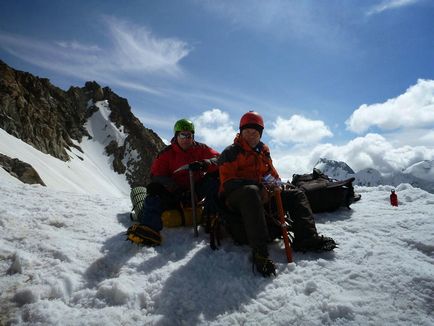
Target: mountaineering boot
<point x="316" y="243"/>
<point x="263" y="264"/>
<point x="143" y="235"/>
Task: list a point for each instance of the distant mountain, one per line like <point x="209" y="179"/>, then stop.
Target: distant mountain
<point x="334" y="169"/>
<point x="63" y="123"/>
<point x="420" y="175"/>
<point x="368" y="177"/>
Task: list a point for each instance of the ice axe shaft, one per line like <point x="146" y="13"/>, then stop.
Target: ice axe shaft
<point x="193" y="196"/>
<point x="193" y="203"/>
<point x="278" y="198"/>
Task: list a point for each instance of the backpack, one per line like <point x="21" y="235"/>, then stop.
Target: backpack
<point x="171" y="217"/>
<point x="325" y="194"/>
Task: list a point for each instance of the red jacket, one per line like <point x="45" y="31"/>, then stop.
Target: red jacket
<point x="239" y="165"/>
<point x="173" y="157"/>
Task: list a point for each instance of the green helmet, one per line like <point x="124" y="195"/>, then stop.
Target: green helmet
<point x="183" y="125"/>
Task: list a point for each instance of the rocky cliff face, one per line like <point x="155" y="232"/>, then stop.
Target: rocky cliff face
<point x="39" y="113"/>
<point x="143" y="140"/>
<point x="49" y="119"/>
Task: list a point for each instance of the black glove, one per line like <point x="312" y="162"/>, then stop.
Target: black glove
<point x="198" y="165"/>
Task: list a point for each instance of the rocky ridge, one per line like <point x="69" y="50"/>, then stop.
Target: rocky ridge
<point x="53" y="120"/>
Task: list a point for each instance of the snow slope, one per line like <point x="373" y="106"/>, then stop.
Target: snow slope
<point x="64" y="261"/>
<point x="88" y="172"/>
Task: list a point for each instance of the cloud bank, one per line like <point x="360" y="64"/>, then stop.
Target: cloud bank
<point x="413" y="109"/>
<point x="370" y="151"/>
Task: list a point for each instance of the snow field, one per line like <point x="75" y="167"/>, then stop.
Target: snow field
<point x="64" y="261"/>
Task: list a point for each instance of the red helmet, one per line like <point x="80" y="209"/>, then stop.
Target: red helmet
<point x="251" y="118"/>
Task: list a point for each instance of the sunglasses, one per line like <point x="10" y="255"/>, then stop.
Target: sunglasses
<point x="184" y="135"/>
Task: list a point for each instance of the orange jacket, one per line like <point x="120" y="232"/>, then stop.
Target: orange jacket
<point x="240" y="165"/>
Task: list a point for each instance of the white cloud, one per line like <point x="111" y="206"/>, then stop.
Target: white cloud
<point x="75" y="45"/>
<point x="298" y="129"/>
<point x="137" y="49"/>
<point x="214" y="128"/>
<point x="412" y="137"/>
<point x="413" y="109"/>
<point x="134" y="52"/>
<point x="372" y="150"/>
<point x="390" y="4"/>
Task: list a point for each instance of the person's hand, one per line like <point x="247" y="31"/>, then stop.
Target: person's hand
<point x="198" y="165"/>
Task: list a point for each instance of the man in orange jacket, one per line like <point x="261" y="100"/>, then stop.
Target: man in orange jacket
<point x="243" y="166"/>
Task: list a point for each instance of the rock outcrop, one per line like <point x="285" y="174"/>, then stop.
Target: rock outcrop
<point x="20" y="170"/>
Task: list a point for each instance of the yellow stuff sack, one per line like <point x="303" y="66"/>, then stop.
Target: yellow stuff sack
<point x="172" y="218"/>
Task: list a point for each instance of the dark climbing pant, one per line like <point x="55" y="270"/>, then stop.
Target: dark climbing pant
<point x="246" y="219"/>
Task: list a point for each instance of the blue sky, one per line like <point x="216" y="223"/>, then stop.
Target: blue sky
<point x="348" y="80"/>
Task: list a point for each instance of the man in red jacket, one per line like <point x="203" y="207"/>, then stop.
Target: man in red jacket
<point x="243" y="167"/>
<point x="169" y="185"/>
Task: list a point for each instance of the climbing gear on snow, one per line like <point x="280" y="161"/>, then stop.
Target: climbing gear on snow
<point x="143" y="235"/>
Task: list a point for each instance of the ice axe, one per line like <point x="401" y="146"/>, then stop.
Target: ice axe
<point x="281" y="215"/>
<point x="274" y="185"/>
<point x="193" y="196"/>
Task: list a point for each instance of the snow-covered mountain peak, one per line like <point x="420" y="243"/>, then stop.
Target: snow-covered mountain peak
<point x="334" y="169"/>
<point x="101" y="128"/>
<point x="368" y="177"/>
<point x="423" y="170"/>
